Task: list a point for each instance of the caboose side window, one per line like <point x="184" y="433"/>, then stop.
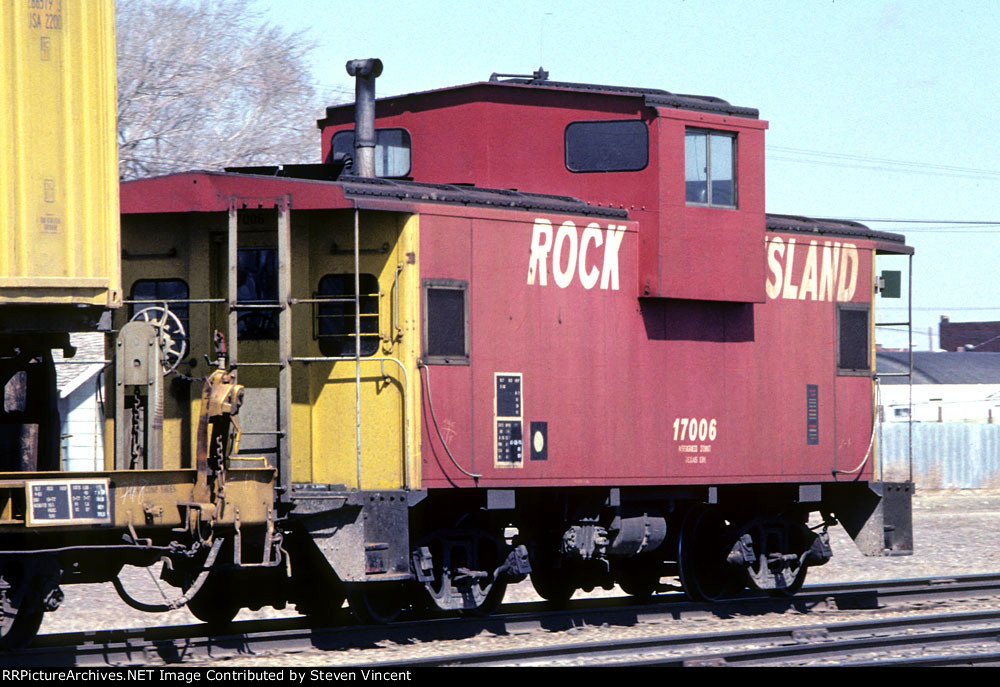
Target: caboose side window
<point x="615" y="146"/>
<point x="334" y="322"/>
<point x="853" y="352"/>
<point x="161" y="290"/>
<point x="392" y="151"/>
<point x="446" y="322"/>
<point x="710" y="168"/>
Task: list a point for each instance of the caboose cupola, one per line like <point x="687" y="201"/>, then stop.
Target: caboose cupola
<point x="689" y="168"/>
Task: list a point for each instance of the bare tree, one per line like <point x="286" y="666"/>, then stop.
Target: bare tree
<point x="207" y="84"/>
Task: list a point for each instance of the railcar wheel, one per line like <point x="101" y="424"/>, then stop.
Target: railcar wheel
<point x="325" y="603"/>
<point x="463" y="563"/>
<point x="552" y="584"/>
<point x="793" y="588"/>
<point x="638" y="576"/>
<point x="376" y="603"/>
<point x="490" y="601"/>
<point x="702" y="549"/>
<point x="779" y="545"/>
<point x="216" y="602"/>
<point x="20" y="615"/>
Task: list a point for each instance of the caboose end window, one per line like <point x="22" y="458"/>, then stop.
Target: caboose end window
<point x="169" y="292"/>
<point x="853" y="350"/>
<point x="710" y="168"/>
<point x="446" y="322"/>
<point x="257" y="279"/>
<point x="334" y="321"/>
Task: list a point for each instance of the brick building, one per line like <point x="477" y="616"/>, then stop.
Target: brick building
<point x="979" y="337"/>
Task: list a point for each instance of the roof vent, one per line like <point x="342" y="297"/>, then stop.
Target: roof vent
<point x="539" y="75"/>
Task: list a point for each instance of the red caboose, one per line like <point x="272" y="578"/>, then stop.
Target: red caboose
<point x="558" y="308"/>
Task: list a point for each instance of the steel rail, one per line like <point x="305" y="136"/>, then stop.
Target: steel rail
<point x="985" y="658"/>
<point x="768" y="646"/>
<point x="835" y="642"/>
<point x="185" y="643"/>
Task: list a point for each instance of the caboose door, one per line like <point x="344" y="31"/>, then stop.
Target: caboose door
<point x="373" y="447"/>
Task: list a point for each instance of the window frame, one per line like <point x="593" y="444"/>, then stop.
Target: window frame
<point x="144" y="304"/>
<point x="708" y="133"/>
<point x="850" y="371"/>
<point x="455" y="285"/>
<point x="270" y="315"/>
<point x="375" y="336"/>
<point x="566" y="147"/>
<point x="409" y="141"/>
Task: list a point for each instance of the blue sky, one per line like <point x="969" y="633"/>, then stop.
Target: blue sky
<point x="877" y="109"/>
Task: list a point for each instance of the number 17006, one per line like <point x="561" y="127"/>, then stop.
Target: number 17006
<point x="694" y="429"/>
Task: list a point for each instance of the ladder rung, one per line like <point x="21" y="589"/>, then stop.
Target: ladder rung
<point x="347" y="317"/>
<point x="346" y="336"/>
<point x="154" y="301"/>
<point x="332" y="299"/>
<point x="257" y="365"/>
<point x="256" y="306"/>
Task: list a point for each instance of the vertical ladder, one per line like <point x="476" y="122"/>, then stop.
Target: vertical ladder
<point x="283" y="308"/>
<point x="908" y="374"/>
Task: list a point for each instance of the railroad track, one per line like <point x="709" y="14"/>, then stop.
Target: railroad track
<point x="185" y="644"/>
<point x="849" y="643"/>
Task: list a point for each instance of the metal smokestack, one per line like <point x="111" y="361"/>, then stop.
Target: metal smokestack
<point x="365" y="73"/>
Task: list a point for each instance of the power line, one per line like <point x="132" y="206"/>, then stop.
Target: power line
<point x="883" y="168"/>
<point x="934" y="226"/>
<point x="941" y="308"/>
<point x="881" y="160"/>
<point x="965" y="231"/>
<point x="926" y="221"/>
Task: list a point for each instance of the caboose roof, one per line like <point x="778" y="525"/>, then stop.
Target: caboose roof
<point x="836" y="227"/>
<point x="515" y="87"/>
<point x="206" y="191"/>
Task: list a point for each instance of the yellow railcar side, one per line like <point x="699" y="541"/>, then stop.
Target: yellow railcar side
<point x="59" y="238"/>
<point x="190" y="250"/>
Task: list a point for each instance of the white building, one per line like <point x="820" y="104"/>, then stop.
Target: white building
<point x="80" y="407"/>
<point x="947" y="387"/>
